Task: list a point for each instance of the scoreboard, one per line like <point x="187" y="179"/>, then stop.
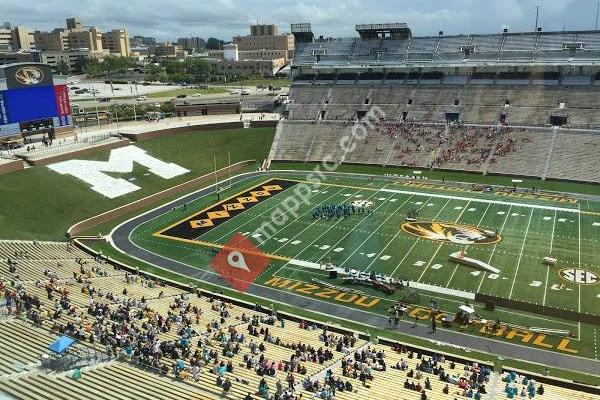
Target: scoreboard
<point x="30" y="102"/>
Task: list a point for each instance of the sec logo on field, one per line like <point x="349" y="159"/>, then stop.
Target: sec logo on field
<point x="579" y="276"/>
<point x="239" y="262"/>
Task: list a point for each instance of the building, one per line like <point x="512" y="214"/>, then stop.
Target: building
<point x="231" y="61"/>
<point x="57" y="40"/>
<point x="249" y="67"/>
<point x="33" y="102"/>
<point x="142" y="41"/>
<point x="191" y="44"/>
<point x="90" y="39"/>
<point x="12" y="57"/>
<point x="169" y="51"/>
<point x="116" y="42"/>
<point x="15" y="38"/>
<point x="250" y="54"/>
<point x="71" y="58"/>
<point x="266" y="37"/>
<point x="77" y="37"/>
<point x="191" y="107"/>
<point x="73" y="23"/>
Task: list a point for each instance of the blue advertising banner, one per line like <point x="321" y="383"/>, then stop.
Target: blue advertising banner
<point x="3" y="109"/>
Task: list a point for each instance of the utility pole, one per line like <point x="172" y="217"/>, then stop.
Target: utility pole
<point x="597" y="10"/>
<point x="537" y="16"/>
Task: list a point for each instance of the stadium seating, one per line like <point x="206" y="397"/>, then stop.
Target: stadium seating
<point x="125" y="383"/>
<point x="201" y="342"/>
<point x="575" y="156"/>
<point x="317" y="117"/>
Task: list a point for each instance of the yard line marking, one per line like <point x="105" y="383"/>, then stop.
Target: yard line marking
<point x="486" y="201"/>
<point x="418" y="239"/>
<point x="301" y="215"/>
<point x="472" y="199"/>
<point x="579" y="258"/>
<point x="351" y="230"/>
<point x="441" y="244"/>
<point x="548" y="269"/>
<point x="387" y="245"/>
<point x="457" y="264"/>
<point x="494" y="249"/>
<point x="520" y="256"/>
<point x="252" y="219"/>
<point x="331" y="227"/>
<point x="372" y="233"/>
<point x="308" y="226"/>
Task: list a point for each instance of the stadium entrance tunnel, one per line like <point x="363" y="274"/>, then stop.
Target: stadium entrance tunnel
<point x="452" y="116"/>
<point x="558" y="120"/>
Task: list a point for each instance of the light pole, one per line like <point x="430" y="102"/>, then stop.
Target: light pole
<point x="96" y="104"/>
<point x="597" y="10"/>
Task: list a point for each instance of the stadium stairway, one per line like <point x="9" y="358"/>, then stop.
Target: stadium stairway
<point x="276" y="142"/>
<point x="550" y="151"/>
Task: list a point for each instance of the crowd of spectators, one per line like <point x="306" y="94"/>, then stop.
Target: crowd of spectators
<point x="416" y="144"/>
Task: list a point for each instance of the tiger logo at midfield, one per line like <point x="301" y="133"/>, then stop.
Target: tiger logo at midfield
<point x="450" y="232"/>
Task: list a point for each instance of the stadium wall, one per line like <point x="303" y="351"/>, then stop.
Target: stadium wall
<point x="139" y="137"/>
<point x="75" y="154"/>
<point x="573" y="385"/>
<point x="195" y="183"/>
<point x="11" y="166"/>
<point x="570" y="315"/>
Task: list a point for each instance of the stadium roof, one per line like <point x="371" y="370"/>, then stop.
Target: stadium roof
<point x="568" y="47"/>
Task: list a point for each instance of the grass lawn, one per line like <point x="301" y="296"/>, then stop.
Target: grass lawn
<point x="38" y="203"/>
<point x="186" y="91"/>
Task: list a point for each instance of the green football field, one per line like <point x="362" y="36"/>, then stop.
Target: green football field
<point x="527" y="228"/>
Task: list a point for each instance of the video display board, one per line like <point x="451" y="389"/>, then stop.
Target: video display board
<point x="29" y="104"/>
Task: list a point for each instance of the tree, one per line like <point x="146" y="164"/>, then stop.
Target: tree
<point x="92" y="67"/>
<point x="80" y="64"/>
<point x="214" y="44"/>
<point x="62" y="68"/>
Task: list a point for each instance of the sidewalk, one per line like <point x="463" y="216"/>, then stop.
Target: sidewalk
<point x="145" y="126"/>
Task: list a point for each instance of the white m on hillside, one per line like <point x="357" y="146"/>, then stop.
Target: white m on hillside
<point x="120" y="161"/>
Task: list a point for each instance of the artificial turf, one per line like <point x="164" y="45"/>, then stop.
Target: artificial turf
<point x="529" y="230"/>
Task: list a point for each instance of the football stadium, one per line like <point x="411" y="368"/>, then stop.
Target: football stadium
<point x="420" y="219"/>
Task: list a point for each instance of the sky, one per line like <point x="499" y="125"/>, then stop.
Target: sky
<point x="170" y="19"/>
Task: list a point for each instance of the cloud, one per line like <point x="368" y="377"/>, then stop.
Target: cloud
<point x="170" y="19"/>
